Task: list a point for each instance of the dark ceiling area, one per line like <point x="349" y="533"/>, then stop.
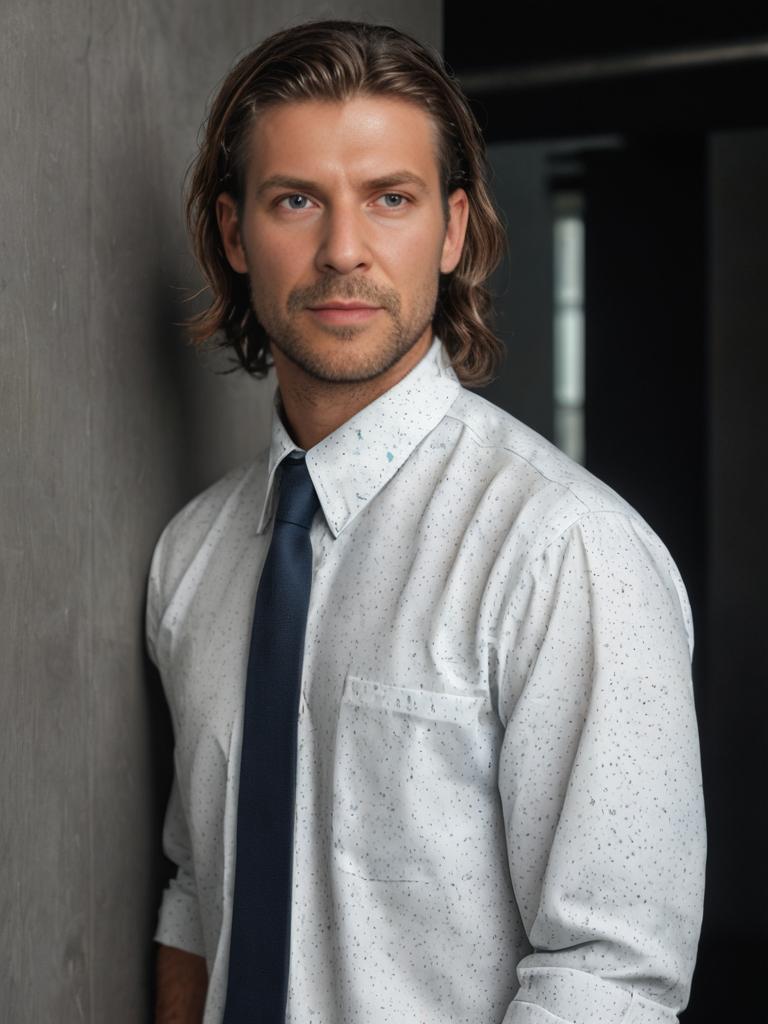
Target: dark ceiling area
<point x="526" y="33"/>
<point x="558" y="72"/>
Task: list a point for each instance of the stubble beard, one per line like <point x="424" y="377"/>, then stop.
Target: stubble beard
<point x="353" y="366"/>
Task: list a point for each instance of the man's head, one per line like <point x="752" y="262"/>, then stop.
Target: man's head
<point x="342" y="164"/>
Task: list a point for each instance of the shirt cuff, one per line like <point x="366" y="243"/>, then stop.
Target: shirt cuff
<point x="565" y="996"/>
<point x="179" y="922"/>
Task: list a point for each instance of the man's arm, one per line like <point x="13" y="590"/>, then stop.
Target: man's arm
<point x="600" y="780"/>
<point x="182" y="983"/>
<point x="181" y="970"/>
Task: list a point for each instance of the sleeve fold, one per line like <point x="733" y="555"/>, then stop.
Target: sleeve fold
<point x="179" y="922"/>
<point x="600" y="781"/>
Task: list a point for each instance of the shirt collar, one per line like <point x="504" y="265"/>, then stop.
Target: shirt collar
<point x="351" y="465"/>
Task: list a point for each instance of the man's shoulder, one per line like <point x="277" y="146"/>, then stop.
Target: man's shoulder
<point x="205" y="508"/>
<point x="553" y="504"/>
<point x="531" y="463"/>
<point x="214" y="511"/>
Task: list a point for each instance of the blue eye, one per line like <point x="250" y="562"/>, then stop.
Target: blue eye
<point x="296" y="201"/>
<point x="393" y="200"/>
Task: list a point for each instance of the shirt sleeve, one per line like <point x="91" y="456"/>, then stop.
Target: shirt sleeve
<point x="600" y="779"/>
<point x="179" y="921"/>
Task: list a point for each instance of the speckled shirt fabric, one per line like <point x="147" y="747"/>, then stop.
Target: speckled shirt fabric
<point x="499" y="814"/>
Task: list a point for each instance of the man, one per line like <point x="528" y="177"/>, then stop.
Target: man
<point x="436" y="754"/>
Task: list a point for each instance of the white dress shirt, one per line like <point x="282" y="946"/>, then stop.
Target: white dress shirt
<point x="499" y="814"/>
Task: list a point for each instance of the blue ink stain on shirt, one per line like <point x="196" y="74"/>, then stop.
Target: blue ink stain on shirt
<point x="360" y="434"/>
<point x="390" y="456"/>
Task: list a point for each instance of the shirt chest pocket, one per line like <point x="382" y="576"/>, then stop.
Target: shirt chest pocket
<point x="412" y="782"/>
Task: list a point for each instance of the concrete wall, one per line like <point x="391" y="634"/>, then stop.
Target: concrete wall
<point x="108" y="424"/>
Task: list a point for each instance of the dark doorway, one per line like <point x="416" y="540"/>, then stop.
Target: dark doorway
<point x="656" y="124"/>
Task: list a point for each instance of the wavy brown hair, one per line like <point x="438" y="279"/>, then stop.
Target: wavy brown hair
<point x="335" y="60"/>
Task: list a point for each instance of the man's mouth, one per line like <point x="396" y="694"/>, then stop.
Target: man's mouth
<point x="339" y="312"/>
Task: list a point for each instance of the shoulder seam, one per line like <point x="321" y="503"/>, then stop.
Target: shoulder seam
<point x="515" y="452"/>
<point x="590" y="512"/>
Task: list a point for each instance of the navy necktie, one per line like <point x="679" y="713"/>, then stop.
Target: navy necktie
<point x="261" y="916"/>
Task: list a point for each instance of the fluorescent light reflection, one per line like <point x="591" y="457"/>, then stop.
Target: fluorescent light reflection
<point x="568" y="327"/>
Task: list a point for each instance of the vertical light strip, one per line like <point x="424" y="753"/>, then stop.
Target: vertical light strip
<point x="568" y="327"/>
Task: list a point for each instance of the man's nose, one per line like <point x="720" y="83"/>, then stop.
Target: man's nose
<point x="344" y="246"/>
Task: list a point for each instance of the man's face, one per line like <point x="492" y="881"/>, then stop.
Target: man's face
<point x="343" y="232"/>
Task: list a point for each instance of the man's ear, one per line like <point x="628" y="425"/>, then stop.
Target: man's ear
<point x="229" y="229"/>
<point x="456" y="230"/>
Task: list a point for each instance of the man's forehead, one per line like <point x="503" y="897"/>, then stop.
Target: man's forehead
<point x="356" y="134"/>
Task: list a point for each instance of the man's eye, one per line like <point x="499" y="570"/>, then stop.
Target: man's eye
<point x="393" y="200"/>
<point x="295" y="202"/>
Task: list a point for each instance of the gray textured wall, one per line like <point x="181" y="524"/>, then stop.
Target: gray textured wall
<point x="108" y="424"/>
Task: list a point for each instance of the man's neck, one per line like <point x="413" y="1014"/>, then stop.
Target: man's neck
<point x="313" y="409"/>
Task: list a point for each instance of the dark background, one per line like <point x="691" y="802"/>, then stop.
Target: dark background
<point x="658" y="120"/>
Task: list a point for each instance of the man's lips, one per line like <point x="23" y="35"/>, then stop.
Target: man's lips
<point x="343" y="305"/>
<point x="344" y="312"/>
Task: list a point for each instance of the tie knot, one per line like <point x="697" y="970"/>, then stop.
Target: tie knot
<point x="298" y="501"/>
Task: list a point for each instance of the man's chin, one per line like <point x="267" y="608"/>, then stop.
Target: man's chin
<point x="336" y="359"/>
<point x="343" y="371"/>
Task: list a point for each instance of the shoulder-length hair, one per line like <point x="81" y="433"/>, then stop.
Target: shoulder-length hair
<point x="336" y="60"/>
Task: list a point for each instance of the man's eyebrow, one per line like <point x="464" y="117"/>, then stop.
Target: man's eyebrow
<point x="284" y="181"/>
<point x="393" y="180"/>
